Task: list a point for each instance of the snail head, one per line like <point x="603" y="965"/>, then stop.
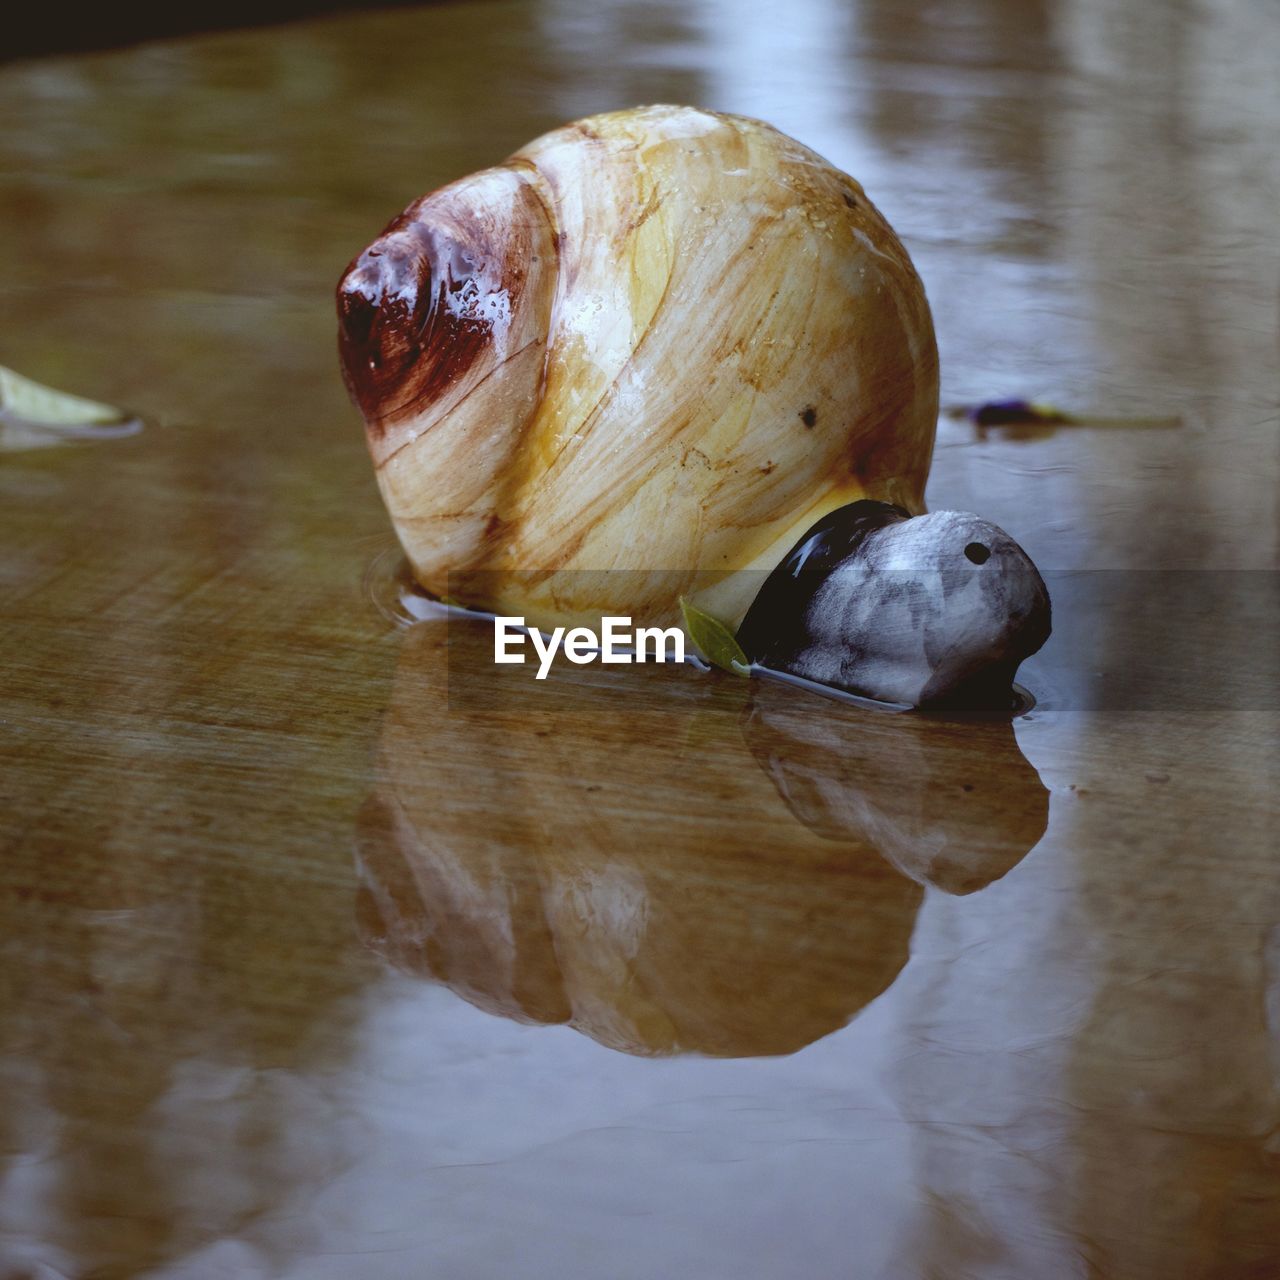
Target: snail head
<point x="919" y="610"/>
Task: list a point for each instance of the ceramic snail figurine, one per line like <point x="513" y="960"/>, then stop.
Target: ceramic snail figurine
<point x="647" y="358"/>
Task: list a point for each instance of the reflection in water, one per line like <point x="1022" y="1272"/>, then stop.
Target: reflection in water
<point x="176" y="999"/>
<point x="169" y="1035"/>
<point x="952" y="803"/>
<point x="1081" y="1061"/>
<point x="1089" y="1053"/>
<point x="504" y="854"/>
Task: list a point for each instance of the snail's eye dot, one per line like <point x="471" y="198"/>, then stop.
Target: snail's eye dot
<point x="976" y="552"/>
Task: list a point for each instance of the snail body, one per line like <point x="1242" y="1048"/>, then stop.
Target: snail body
<point x="661" y="341"/>
<point x="917" y="610"/>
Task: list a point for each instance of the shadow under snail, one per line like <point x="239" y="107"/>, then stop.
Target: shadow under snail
<point x="668" y="354"/>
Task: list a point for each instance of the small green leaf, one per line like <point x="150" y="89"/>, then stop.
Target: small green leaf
<point x="33" y="402"/>
<point x="714" y="639"/>
<point x="1046" y="412"/>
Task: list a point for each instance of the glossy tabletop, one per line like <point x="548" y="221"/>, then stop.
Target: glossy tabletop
<point x="329" y="949"/>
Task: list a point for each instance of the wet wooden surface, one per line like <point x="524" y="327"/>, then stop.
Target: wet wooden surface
<point x="328" y="950"/>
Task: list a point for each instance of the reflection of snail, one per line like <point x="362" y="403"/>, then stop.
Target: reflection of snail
<point x="670" y="342"/>
<point x="953" y="803"/>
<point x="601" y="850"/>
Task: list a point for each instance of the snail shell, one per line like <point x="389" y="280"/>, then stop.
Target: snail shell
<point x="662" y="340"/>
